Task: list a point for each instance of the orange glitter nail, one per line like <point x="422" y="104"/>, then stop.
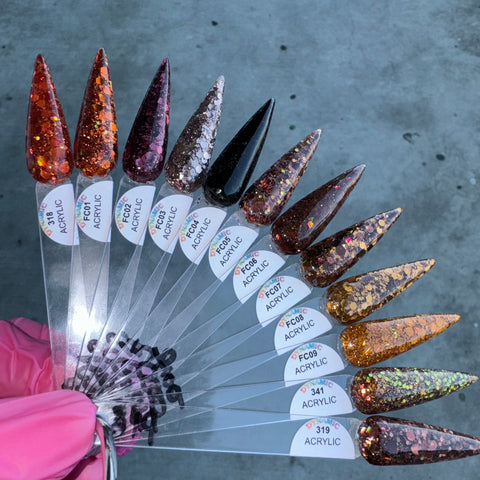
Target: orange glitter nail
<point x="49" y="155"/>
<point x="95" y="148"/>
<point x="355" y="298"/>
<point x="374" y="341"/>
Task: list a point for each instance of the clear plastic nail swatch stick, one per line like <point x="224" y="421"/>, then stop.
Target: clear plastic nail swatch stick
<point x="370" y="391"/>
<point x="259" y="206"/>
<point x="95" y="155"/>
<point x="379" y="440"/>
<point x="50" y="162"/>
<point x="143" y="160"/>
<point x="223" y="187"/>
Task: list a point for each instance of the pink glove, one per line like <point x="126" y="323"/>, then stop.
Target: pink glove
<point x="44" y="434"/>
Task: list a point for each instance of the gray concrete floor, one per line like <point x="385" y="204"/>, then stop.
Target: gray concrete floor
<point x="392" y="84"/>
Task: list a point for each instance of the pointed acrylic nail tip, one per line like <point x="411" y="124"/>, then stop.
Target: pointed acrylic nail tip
<point x="393" y="441"/>
<point x="265" y="199"/>
<point x="229" y="175"/>
<point x="188" y="162"/>
<point x="146" y="147"/>
<point x="326" y="261"/>
<point x="298" y="227"/>
<point x="371" y="342"/>
<point x="48" y="150"/>
<point x="354" y="298"/>
<point x="381" y="390"/>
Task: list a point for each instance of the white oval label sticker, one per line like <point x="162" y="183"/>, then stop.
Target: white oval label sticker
<point x="310" y="361"/>
<point x="321" y="398"/>
<point x="278" y="295"/>
<point x="228" y="247"/>
<point x="132" y="212"/>
<point x="253" y="271"/>
<point x="298" y="326"/>
<point x="166" y="218"/>
<point x="94" y="210"/>
<point x="198" y="231"/>
<point x="323" y="438"/>
<point x="56" y="215"/>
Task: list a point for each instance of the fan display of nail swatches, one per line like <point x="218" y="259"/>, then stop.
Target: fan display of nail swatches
<point x="131" y="269"/>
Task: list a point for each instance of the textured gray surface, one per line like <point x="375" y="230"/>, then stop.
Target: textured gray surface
<point x="393" y="85"/>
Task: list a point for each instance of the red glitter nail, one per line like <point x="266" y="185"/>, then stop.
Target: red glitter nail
<point x="95" y="149"/>
<point x="49" y="155"/>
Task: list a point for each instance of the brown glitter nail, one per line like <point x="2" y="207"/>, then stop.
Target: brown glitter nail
<point x="188" y="163"/>
<point x="265" y="199"/>
<point x="371" y="342"/>
<point x="326" y="261"/>
<point x="353" y="299"/>
<point x="95" y="148"/>
<point x="298" y="227"/>
<point x="49" y="155"/>
<point x="381" y="390"/>
<point x="394" y="441"/>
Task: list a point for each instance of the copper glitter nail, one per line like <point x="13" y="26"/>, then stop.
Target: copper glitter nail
<point x="394" y="441"/>
<point x="48" y="150"/>
<point x="146" y="147"/>
<point x="95" y="148"/>
<point x="381" y="390"/>
<point x="353" y="299"/>
<point x="298" y="227"/>
<point x="188" y="163"/>
<point x="265" y="199"/>
<point x="371" y="342"/>
<point x="326" y="261"/>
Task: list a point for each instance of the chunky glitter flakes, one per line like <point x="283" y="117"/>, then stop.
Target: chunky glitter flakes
<point x="265" y="199"/>
<point x="380" y="390"/>
<point x="188" y="163"/>
<point x="228" y="177"/>
<point x="371" y="342"/>
<point x="298" y="227"/>
<point x="96" y="148"/>
<point x="393" y="441"/>
<point x="146" y="147"/>
<point x="48" y="150"/>
<point x="326" y="261"/>
<point x="353" y="299"/>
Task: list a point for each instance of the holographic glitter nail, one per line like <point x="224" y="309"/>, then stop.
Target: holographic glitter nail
<point x="298" y="227"/>
<point x="371" y="342"/>
<point x="48" y="150"/>
<point x="394" y="441"/>
<point x="188" y="163"/>
<point x="326" y="261"/>
<point x="353" y="299"/>
<point x="381" y="390"/>
<point x="265" y="199"/>
<point x="229" y="175"/>
<point x="95" y="148"/>
<point x="146" y="146"/>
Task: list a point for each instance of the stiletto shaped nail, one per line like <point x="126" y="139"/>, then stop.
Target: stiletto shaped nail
<point x="230" y="173"/>
<point x="326" y="261"/>
<point x="298" y="227"/>
<point x="146" y="147"/>
<point x="96" y="148"/>
<point x="353" y="299"/>
<point x="394" y="441"/>
<point x="188" y="163"/>
<point x="265" y="199"/>
<point x="380" y="390"/>
<point x="48" y="150"/>
<point x="371" y="342"/>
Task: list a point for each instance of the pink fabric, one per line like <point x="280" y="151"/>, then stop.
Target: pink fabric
<point x="44" y="434"/>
